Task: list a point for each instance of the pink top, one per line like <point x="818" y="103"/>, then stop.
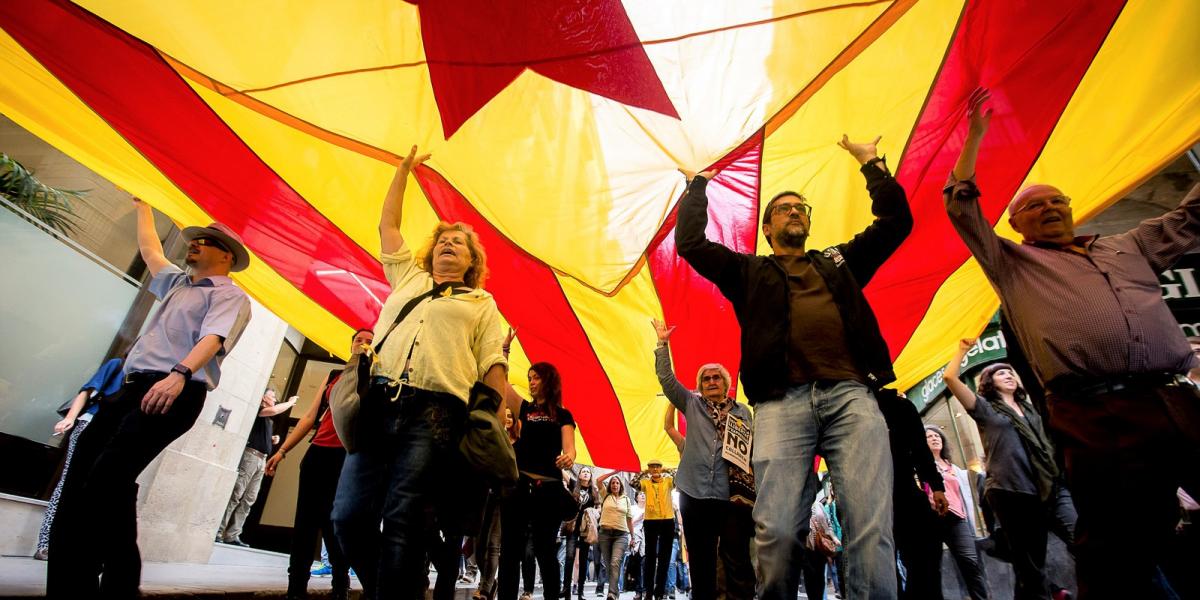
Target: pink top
<point x="953" y="491"/>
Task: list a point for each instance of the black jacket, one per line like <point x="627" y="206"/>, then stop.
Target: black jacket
<point x="910" y="451"/>
<point x="758" y="289"/>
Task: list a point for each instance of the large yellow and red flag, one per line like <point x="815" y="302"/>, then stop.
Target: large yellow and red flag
<point x="557" y="126"/>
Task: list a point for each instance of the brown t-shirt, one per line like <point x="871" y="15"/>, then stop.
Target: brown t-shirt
<point x="817" y="346"/>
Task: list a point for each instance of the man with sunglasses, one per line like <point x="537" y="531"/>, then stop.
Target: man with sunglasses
<point x="168" y="373"/>
<point x="1089" y="314"/>
<point x="812" y="354"/>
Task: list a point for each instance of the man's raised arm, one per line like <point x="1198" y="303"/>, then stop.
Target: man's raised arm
<point x="713" y="261"/>
<point x="148" y="243"/>
<point x="962" y="196"/>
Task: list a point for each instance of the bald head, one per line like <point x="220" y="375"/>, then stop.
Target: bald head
<point x="1042" y="213"/>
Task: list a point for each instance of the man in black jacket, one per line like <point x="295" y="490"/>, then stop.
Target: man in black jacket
<point x="917" y="531"/>
<point x="811" y="354"/>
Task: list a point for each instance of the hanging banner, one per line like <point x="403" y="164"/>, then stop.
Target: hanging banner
<point x="1181" y="291"/>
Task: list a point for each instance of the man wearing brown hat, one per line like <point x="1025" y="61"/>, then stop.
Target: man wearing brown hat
<point x="1089" y="314"/>
<point x="168" y="373"/>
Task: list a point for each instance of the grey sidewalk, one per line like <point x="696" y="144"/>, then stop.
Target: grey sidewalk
<point x="22" y="577"/>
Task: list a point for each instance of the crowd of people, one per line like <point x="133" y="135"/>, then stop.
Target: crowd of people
<point x="753" y="521"/>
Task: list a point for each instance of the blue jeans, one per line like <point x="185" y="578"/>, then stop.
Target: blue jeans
<point x="840" y="421"/>
<point x="677" y="572"/>
<point x="599" y="565"/>
<point x="612" y="543"/>
<point x="400" y="477"/>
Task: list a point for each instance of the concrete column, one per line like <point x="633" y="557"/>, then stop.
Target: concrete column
<point x="184" y="492"/>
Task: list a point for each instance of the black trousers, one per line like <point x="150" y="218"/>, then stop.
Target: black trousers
<point x="95" y="529"/>
<point x="1027" y="523"/>
<point x="319" y="472"/>
<point x="1142" y="443"/>
<point x="958" y="535"/>
<point x="718" y="529"/>
<point x="523" y="513"/>
<point x="575" y="545"/>
<point x="633" y="574"/>
<point x="660" y="535"/>
<point x="919" y="544"/>
<point x="812" y="567"/>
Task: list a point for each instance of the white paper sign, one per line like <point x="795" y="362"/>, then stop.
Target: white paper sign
<point x="738" y="441"/>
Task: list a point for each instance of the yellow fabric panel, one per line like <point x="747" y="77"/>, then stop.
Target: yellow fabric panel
<point x="36" y="100"/>
<point x="254" y="44"/>
<point x="621" y="334"/>
<point x="960" y="309"/>
<point x="1096" y="154"/>
<point x="864" y="100"/>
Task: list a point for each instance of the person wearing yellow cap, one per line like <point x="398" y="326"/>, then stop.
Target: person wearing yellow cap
<point x="659" y="527"/>
<point x="1089" y="314"/>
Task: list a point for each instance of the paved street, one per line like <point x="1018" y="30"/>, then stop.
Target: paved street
<point x="22" y="577"/>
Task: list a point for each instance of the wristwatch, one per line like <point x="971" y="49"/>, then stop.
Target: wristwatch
<point x="182" y="370"/>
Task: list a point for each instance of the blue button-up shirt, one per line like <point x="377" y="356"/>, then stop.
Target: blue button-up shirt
<point x="703" y="472"/>
<point x="189" y="312"/>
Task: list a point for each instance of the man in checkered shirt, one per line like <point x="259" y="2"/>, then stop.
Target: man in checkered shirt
<point x="1089" y="313"/>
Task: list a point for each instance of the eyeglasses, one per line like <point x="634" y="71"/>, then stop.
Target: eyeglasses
<point x="1044" y="203"/>
<point x="785" y="208"/>
<point x="211" y="243"/>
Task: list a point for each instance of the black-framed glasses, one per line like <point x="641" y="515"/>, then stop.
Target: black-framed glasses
<point x="1043" y="203"/>
<point x="785" y="208"/>
<point x="211" y="243"/>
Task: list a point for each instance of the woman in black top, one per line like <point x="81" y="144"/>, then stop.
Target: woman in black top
<point x="1023" y="485"/>
<point x="545" y="448"/>
<point x="586" y="494"/>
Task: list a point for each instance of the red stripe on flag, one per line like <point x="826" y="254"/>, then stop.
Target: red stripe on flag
<point x="127" y="83"/>
<point x="527" y="292"/>
<point x="1032" y="55"/>
<point x="708" y="330"/>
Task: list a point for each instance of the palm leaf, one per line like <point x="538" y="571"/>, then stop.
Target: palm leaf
<point x="50" y="206"/>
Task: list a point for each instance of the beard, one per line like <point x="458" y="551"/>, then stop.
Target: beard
<point x="792" y="237"/>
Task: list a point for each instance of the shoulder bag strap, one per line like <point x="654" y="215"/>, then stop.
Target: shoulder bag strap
<point x="408" y="308"/>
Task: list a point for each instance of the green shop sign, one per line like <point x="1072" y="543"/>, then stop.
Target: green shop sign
<point x="991" y="347"/>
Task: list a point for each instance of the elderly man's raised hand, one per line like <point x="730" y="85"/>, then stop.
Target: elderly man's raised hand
<point x="979" y="114"/>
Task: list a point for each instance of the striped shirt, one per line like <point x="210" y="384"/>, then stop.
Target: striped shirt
<point x="1100" y="315"/>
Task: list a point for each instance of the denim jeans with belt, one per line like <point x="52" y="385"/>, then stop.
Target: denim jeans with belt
<point x="841" y="422"/>
<point x="407" y="474"/>
<point x="613" y="544"/>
